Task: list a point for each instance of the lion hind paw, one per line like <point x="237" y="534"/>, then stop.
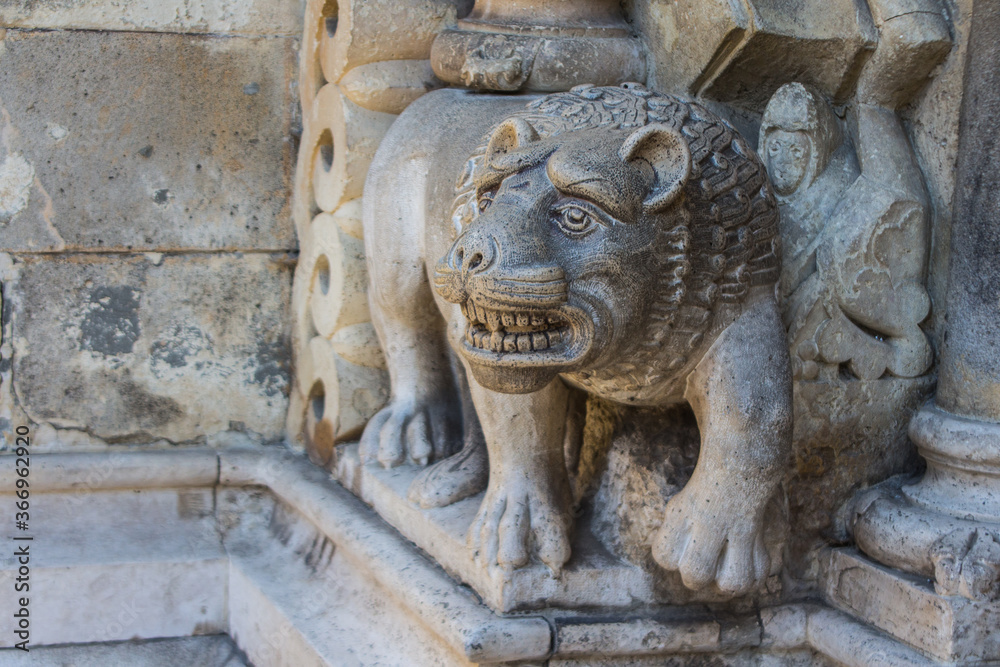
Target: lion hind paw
<point x="460" y="476"/>
<point x="406" y="431"/>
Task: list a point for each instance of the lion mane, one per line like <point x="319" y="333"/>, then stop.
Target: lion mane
<point x="717" y="241"/>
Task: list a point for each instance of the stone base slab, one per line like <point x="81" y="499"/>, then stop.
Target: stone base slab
<point x="592" y="578"/>
<point x="215" y="651"/>
<point x="264" y="546"/>
<point x="951" y="629"/>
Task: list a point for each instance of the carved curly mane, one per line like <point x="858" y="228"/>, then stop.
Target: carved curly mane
<point x="717" y="242"/>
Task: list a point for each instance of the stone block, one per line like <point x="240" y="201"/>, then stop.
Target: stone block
<point x="135" y="348"/>
<point x="217" y="651"/>
<point x="952" y="629"/>
<point x="593" y="578"/>
<point x="298" y="600"/>
<point x="744" y="51"/>
<point x="157" y="570"/>
<point x="816" y="42"/>
<point x="847" y="435"/>
<point x="257" y="17"/>
<point x="140" y="141"/>
<point x="679" y="62"/>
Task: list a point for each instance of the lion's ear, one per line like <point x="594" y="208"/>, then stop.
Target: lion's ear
<point x="510" y="135"/>
<point x="667" y="153"/>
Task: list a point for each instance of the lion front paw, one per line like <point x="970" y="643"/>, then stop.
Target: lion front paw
<point x="705" y="544"/>
<point x="517" y="520"/>
<point x="421" y="431"/>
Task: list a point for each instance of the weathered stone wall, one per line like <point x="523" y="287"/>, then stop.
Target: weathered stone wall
<point x="146" y="242"/>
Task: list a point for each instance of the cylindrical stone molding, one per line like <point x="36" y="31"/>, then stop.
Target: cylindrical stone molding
<point x="368" y="31"/>
<point x="343" y="138"/>
<point x="339" y="282"/>
<point x="361" y="63"/>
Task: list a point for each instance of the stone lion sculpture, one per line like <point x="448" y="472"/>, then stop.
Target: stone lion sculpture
<point x="613" y="241"/>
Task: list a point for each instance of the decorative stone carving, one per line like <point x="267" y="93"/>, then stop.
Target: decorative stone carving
<point x="361" y="63"/>
<point x="510" y="45"/>
<point x="599" y="455"/>
<point x="609" y="240"/>
<point x="946" y="526"/>
<point x="855" y="218"/>
<point x="745" y="50"/>
<point x="855" y="234"/>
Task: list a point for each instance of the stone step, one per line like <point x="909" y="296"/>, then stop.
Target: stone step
<point x="214" y="651"/>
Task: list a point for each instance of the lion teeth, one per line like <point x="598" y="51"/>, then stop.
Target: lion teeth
<point x="500" y="342"/>
<point x="506" y="332"/>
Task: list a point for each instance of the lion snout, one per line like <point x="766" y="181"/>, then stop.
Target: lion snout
<point x="474" y="268"/>
<point x="529" y="288"/>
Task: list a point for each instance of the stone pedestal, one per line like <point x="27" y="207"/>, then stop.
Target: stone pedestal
<point x="947" y="526"/>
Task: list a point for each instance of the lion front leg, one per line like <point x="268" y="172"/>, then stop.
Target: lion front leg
<point x="526" y="510"/>
<point x="741" y="394"/>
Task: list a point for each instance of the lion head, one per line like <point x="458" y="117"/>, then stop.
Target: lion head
<point x="598" y="231"/>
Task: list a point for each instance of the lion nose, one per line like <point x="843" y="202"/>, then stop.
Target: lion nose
<point x="473" y="255"/>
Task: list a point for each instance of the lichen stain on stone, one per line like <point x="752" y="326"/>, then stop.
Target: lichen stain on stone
<point x="111" y="323"/>
<point x="184" y="342"/>
<point x="152" y="411"/>
<point x="16" y="177"/>
<point x="273" y="367"/>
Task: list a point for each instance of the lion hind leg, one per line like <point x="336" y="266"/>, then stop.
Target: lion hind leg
<point x="420" y="423"/>
<point x="461" y="475"/>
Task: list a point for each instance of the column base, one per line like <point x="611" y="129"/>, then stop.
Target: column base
<point x="947" y="525"/>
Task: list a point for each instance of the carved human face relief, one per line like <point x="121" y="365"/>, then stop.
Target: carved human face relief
<point x="558" y="266"/>
<point x="786" y="156"/>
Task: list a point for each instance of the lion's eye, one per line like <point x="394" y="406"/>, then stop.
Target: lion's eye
<point x="576" y="220"/>
<point x="484" y="203"/>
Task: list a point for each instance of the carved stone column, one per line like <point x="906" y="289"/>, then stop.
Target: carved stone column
<point x="947" y="526"/>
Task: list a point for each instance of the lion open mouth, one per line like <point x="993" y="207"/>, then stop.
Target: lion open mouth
<point x="506" y="332"/>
